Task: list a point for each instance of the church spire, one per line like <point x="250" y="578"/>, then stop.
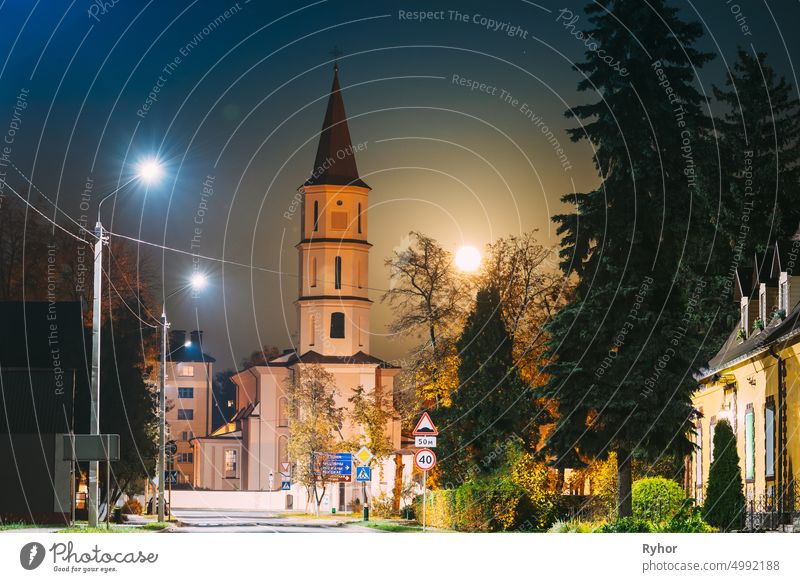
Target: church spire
<point x="335" y="163"/>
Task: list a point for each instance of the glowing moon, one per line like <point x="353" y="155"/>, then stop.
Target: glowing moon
<point x="468" y="259"/>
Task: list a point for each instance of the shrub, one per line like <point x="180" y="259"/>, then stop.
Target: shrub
<point x="132" y="507"/>
<point x="536" y="481"/>
<point x="687" y="520"/>
<point x="438" y="510"/>
<point x="724" y="505"/>
<point x="382" y="505"/>
<point x="627" y="525"/>
<point x="656" y="499"/>
<point x="576" y="526"/>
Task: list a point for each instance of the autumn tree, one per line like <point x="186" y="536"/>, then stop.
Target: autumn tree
<point x="315" y="427"/>
<point x="429" y="302"/>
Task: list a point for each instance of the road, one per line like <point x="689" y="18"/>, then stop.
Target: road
<point x="210" y="520"/>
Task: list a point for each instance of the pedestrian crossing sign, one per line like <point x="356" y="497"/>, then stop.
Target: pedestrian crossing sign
<point x="364" y="474"/>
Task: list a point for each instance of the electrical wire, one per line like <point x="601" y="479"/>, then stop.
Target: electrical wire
<point x="125" y="303"/>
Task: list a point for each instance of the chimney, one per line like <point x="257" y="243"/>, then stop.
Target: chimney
<point x="177" y="337"/>
<point x="197" y="339"/>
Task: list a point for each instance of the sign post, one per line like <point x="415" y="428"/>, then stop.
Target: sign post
<point x="425" y="433"/>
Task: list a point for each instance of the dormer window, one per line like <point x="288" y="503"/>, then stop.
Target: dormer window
<point x="783" y="292"/>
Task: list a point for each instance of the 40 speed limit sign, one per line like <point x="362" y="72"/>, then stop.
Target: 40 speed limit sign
<point x="425" y="459"/>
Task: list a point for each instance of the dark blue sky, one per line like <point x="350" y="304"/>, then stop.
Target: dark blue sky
<point x="240" y="108"/>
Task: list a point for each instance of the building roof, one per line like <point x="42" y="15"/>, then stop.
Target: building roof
<point x="193" y="353"/>
<point x="777" y="334"/>
<point x="312" y="357"/>
<point x="36" y="401"/>
<point x="335" y="163"/>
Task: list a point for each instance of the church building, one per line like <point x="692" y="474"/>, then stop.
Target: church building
<point x="333" y="312"/>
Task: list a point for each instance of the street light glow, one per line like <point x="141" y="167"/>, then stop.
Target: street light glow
<point x="468" y="259"/>
<point x="187" y="344"/>
<point x="149" y="171"/>
<point x="198" y="281"/>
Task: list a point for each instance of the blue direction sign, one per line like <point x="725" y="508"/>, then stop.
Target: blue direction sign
<point x="337" y="464"/>
<point x="170" y="477"/>
<point x="363" y="473"/>
<point x="286" y="485"/>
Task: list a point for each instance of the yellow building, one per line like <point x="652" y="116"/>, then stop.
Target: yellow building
<point x="752" y="383"/>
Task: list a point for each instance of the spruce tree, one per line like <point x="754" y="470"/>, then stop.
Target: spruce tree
<point x="492" y="403"/>
<point x="759" y="139"/>
<point x="623" y="349"/>
<point x="724" y="503"/>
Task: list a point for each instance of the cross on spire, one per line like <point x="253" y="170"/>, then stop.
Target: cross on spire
<point x="336" y="52"/>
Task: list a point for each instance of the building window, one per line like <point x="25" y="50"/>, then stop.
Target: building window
<point x="712" y="427"/>
<point x="230" y="463"/>
<point x="749" y="444"/>
<point x="185" y="457"/>
<point x="783" y="293"/>
<point x="337" y="278"/>
<point x="316" y="216"/>
<point x="185" y="414"/>
<point x="698" y="457"/>
<point x="743" y="315"/>
<point x="313" y="274"/>
<point x="359" y="218"/>
<point x="186" y="436"/>
<point x="283" y="411"/>
<point x="283" y="449"/>
<point x="185" y="371"/>
<point x="337" y="325"/>
<point x="185" y="392"/>
<point x="769" y="438"/>
<point x="312" y="332"/>
<point x="358" y="273"/>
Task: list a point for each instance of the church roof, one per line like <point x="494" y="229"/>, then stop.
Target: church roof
<point x="312" y="357"/>
<point x="335" y="163"/>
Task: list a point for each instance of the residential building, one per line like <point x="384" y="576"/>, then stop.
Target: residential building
<point x="189" y="397"/>
<point x="752" y="382"/>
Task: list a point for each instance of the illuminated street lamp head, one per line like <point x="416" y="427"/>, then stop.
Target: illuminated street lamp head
<point x="468" y="259"/>
<point x="187" y="344"/>
<point x="198" y="281"/>
<point x="149" y="171"/>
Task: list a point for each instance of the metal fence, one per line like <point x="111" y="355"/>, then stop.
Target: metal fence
<point x="769" y="512"/>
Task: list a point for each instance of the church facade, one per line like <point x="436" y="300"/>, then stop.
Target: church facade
<point x="250" y="453"/>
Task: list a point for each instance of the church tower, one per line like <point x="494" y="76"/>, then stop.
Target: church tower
<point x="333" y="306"/>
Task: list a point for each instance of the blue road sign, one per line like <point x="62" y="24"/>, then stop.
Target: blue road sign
<point x="286" y="485"/>
<point x="170" y="477"/>
<point x="363" y="474"/>
<point x="339" y="464"/>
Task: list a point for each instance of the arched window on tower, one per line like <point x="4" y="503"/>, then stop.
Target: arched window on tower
<point x="359" y="218"/>
<point x="337" y="279"/>
<point x="316" y="215"/>
<point x="283" y="411"/>
<point x="337" y="325"/>
<point x="313" y="274"/>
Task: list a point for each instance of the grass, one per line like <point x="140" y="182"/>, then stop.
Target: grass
<point x="100" y="529"/>
<point x="22" y="525"/>
<point x="392" y="526"/>
<point x="155" y="526"/>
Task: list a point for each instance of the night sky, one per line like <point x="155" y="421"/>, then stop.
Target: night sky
<point x="241" y="91"/>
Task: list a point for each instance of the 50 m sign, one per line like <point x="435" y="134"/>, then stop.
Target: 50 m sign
<point x="425" y="459"/>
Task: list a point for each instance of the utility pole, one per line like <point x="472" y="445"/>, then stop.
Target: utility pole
<point x="162" y="409"/>
<point x="94" y="391"/>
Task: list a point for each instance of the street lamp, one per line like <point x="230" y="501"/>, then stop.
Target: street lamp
<point x="196" y="282"/>
<point x="148" y="171"/>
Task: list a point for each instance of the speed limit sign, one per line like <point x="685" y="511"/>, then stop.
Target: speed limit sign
<point x="425" y="459"/>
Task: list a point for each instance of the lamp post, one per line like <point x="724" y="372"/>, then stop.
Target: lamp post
<point x="197" y="282"/>
<point x="148" y="171"/>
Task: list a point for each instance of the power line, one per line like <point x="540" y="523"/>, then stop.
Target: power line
<point x="122" y="299"/>
<point x="53" y="204"/>
<point x="43" y="215"/>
